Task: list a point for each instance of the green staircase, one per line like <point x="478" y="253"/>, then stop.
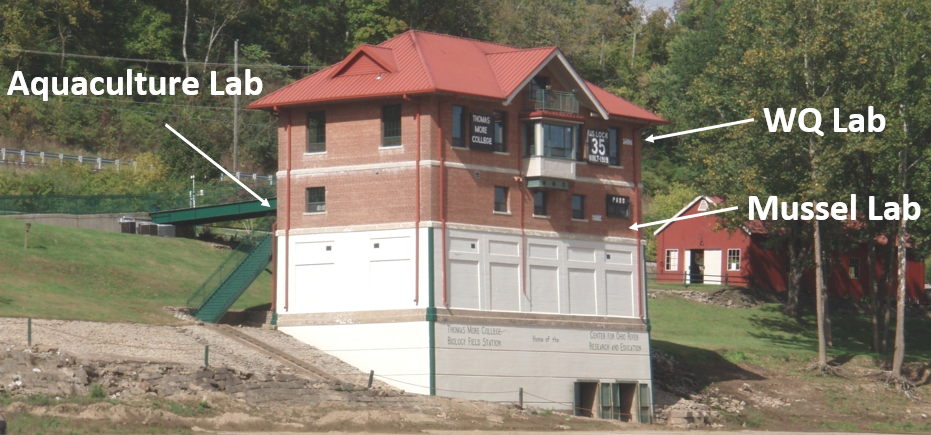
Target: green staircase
<point x="216" y="295"/>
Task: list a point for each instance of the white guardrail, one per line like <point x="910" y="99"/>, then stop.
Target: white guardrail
<point x="18" y="157"/>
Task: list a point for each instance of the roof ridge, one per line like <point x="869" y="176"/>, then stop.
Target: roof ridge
<point x="466" y="38"/>
<point x="517" y="50"/>
<point x="423" y="60"/>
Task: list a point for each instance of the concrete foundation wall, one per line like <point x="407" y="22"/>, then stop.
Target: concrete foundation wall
<point x="103" y="222"/>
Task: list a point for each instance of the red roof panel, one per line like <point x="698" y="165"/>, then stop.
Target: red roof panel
<point x="423" y="62"/>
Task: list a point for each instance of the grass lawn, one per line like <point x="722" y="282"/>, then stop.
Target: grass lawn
<point x="745" y="333"/>
<point x="70" y="273"/>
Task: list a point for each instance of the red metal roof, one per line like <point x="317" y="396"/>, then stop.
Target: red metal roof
<point x="423" y="62"/>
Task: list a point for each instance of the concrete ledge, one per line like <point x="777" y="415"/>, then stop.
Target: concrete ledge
<point x="463" y="316"/>
<point x="103" y="222"/>
<point x="539" y="319"/>
<point x="352" y="317"/>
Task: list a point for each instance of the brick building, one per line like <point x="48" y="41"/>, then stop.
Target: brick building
<point x="454" y="215"/>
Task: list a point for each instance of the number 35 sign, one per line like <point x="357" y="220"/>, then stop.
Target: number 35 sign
<point x="597" y="141"/>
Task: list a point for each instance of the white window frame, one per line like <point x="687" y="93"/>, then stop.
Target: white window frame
<point x="850" y="268"/>
<point x="729" y="260"/>
<point x="703" y="206"/>
<point x="673" y="265"/>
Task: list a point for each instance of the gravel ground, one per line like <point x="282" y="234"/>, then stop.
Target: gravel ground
<point x="169" y="344"/>
<point x="312" y="355"/>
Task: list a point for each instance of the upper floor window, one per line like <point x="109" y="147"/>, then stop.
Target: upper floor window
<point x="558" y="141"/>
<point x="459" y="126"/>
<point x="578" y="206"/>
<point x="538" y="83"/>
<point x="617" y="206"/>
<point x="539" y="203"/>
<point x="501" y="129"/>
<point x="391" y="125"/>
<point x="316" y="200"/>
<point x="530" y="139"/>
<point x="614" y="149"/>
<point x="550" y="140"/>
<point x="501" y="199"/>
<point x="316" y="132"/>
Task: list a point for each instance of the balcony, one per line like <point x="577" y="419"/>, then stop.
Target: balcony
<point x="549" y="168"/>
<point x="555" y="101"/>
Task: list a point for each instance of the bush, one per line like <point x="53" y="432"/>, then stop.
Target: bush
<point x="96" y="391"/>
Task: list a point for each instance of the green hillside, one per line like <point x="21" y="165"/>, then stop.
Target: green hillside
<point x="70" y="273"/>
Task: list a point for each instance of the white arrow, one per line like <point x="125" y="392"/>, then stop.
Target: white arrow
<point x="262" y="200"/>
<point x="652" y="138"/>
<point x="636" y="227"/>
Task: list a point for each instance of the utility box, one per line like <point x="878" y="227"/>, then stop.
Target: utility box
<point x="127" y="225"/>
<point x="147" y="228"/>
<point x="166" y="230"/>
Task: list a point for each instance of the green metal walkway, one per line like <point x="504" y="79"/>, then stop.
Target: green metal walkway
<point x="216" y="295"/>
<point x="215" y="213"/>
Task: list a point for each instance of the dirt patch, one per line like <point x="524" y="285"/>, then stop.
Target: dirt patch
<point x="735" y="297"/>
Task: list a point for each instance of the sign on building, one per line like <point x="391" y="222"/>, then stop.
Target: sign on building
<point x="597" y="141"/>
<point x="617" y="206"/>
<point x="481" y="135"/>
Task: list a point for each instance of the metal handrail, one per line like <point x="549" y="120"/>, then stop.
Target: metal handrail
<point x="248" y="244"/>
<point x="559" y="101"/>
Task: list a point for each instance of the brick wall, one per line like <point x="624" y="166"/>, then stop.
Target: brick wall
<point x="388" y="195"/>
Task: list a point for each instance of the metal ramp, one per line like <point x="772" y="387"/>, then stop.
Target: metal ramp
<point x="216" y="295"/>
<point x="215" y="213"/>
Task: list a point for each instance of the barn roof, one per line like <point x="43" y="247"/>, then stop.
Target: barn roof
<point x="418" y="62"/>
<point x="750" y="227"/>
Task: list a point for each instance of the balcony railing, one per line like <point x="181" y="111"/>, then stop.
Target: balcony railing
<point x="557" y="101"/>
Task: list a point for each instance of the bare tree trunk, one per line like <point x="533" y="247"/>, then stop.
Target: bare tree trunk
<point x="819" y="297"/>
<point x="187" y="66"/>
<point x="874" y="293"/>
<point x="887" y="289"/>
<point x="794" y="275"/>
<point x="898" y="357"/>
<point x="828" y="332"/>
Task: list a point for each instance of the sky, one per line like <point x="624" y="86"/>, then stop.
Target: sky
<point x="659" y="3"/>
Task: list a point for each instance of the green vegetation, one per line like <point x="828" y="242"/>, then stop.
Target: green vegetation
<point x="70" y="273"/>
<point x="28" y="424"/>
<point x="764" y="335"/>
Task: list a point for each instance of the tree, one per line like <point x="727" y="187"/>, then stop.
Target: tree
<point x="777" y="54"/>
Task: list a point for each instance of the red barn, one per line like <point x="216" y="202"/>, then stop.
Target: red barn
<point x="698" y="250"/>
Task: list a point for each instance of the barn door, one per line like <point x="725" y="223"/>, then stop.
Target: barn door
<point x="713" y="266"/>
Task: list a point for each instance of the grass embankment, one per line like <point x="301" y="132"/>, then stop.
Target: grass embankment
<point x="765" y="331"/>
<point x="728" y="347"/>
<point x="70" y="273"/>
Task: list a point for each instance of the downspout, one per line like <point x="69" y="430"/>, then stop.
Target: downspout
<point x="523" y="241"/>
<point x="274" y="272"/>
<point x="417" y="218"/>
<point x="639" y="218"/>
<point x="287" y="228"/>
<point x="442" y="150"/>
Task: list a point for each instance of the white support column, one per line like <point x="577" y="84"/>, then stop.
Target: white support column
<point x="42" y="156"/>
<point x="80" y="160"/>
<point x="3" y="154"/>
<point x="23" y="152"/>
<point x="117" y="162"/>
<point x="99" y="163"/>
<point x="61" y="158"/>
